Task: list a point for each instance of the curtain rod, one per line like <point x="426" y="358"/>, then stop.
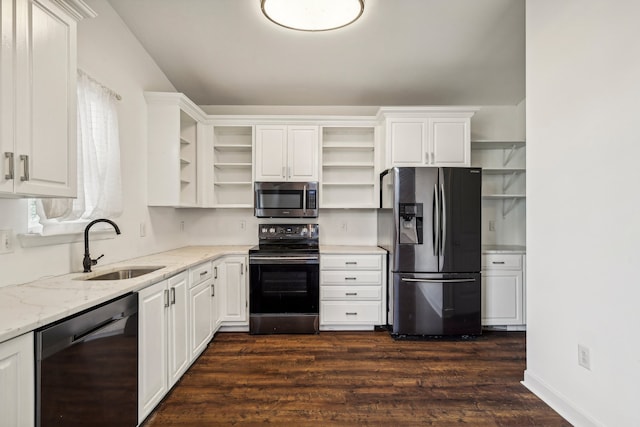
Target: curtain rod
<point x="111" y="91"/>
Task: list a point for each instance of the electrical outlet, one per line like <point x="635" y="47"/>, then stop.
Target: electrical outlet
<point x="143" y="229"/>
<point x="343" y="227"/>
<point x="584" y="358"/>
<point x="5" y="241"/>
<point x="243" y="224"/>
<point x="182" y="226"/>
<point x="492" y="225"/>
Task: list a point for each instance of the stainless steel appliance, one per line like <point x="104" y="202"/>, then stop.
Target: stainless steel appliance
<point x="429" y="222"/>
<point x="286" y="199"/>
<point x="284" y="275"/>
<point x="87" y="367"/>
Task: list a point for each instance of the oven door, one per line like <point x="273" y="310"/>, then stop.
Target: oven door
<point x="284" y="284"/>
<point x="284" y="294"/>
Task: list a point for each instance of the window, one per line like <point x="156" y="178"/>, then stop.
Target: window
<point x="99" y="182"/>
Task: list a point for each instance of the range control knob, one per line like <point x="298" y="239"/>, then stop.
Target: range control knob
<point x="304" y="231"/>
<point x="272" y="230"/>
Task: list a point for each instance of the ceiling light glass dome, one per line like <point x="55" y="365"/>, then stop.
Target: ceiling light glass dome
<point x="312" y="15"/>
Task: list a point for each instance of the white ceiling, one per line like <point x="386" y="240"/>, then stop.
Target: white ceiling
<point x="401" y="52"/>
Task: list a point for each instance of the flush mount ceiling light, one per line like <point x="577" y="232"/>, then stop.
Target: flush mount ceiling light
<point x="312" y="15"/>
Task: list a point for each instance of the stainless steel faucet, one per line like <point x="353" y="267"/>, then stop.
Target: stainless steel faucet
<point x="87" y="262"/>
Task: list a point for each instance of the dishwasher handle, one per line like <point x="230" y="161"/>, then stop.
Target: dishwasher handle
<point x="97" y="328"/>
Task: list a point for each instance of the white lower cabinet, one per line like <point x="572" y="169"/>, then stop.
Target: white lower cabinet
<point x="503" y="290"/>
<point x="203" y="313"/>
<point x="17" y="393"/>
<point x="352" y="295"/>
<point x="233" y="292"/>
<point x="163" y="354"/>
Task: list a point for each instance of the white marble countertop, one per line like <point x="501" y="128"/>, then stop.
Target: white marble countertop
<point x="504" y="249"/>
<point x="28" y="306"/>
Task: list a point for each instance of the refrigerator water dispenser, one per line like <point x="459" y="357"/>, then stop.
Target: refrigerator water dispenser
<point x="410" y="223"/>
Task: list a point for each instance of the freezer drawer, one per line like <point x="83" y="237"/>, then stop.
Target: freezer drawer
<point x="436" y="304"/>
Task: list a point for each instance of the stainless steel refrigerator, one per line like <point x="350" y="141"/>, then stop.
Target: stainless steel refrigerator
<point x="430" y="223"/>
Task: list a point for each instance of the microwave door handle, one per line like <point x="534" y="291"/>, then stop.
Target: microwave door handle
<point x="304" y="199"/>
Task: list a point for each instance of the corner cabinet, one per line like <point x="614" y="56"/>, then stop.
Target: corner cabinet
<point x="286" y="153"/>
<point x="17" y="393"/>
<point x="427" y="136"/>
<point x="348" y="175"/>
<point x="232" y="272"/>
<point x="38" y="97"/>
<point x="175" y="136"/>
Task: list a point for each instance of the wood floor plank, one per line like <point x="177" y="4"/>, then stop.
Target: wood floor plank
<point x="355" y="378"/>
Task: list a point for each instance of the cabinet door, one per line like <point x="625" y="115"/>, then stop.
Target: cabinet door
<point x="7" y="110"/>
<point x="271" y="153"/>
<point x="216" y="288"/>
<point x="45" y="155"/>
<point x="502" y="297"/>
<point x="449" y="142"/>
<point x="408" y="141"/>
<point x="234" y="299"/>
<point x="178" y="341"/>
<point x="303" y="146"/>
<point x="17" y="382"/>
<point x="152" y="348"/>
<point x="201" y="315"/>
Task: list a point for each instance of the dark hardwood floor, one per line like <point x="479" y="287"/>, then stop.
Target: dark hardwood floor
<point x="348" y="379"/>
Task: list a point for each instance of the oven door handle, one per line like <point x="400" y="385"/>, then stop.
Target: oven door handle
<point x="284" y="260"/>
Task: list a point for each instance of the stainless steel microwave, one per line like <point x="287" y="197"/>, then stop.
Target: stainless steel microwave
<point x="286" y="199"/>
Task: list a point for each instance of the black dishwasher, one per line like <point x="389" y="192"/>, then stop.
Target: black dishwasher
<point x="87" y="367"/>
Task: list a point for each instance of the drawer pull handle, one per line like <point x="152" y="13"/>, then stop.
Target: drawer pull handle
<point x="348" y="313"/>
<point x="350" y="278"/>
<point x="203" y="273"/>
<point x="498" y="262"/>
<point x="351" y="263"/>
<point x="351" y="294"/>
<point x="213" y="290"/>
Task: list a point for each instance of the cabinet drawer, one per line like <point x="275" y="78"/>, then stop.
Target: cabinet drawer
<point x="350" y="262"/>
<point x="200" y="273"/>
<point x="345" y="312"/>
<point x="502" y="261"/>
<point x="350" y="277"/>
<point x="373" y="293"/>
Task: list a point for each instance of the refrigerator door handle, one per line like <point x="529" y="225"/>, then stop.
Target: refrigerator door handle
<point x="443" y="225"/>
<point x="436" y="221"/>
<point x="406" y="279"/>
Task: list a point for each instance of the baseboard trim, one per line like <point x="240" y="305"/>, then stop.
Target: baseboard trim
<point x="558" y="402"/>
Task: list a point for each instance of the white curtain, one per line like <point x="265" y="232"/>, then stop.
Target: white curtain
<point x="99" y="182"/>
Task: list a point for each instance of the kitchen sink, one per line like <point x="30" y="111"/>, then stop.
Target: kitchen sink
<point x="123" y="274"/>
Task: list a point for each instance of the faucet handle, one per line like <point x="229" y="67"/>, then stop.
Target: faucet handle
<point x="95" y="261"/>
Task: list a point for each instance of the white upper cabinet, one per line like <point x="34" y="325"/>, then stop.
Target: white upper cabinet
<point x="38" y="91"/>
<point x="175" y="136"/>
<point x="286" y="153"/>
<point x="427" y="136"/>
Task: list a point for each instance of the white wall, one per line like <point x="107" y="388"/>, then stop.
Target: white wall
<point x="112" y="55"/>
<point x="583" y="228"/>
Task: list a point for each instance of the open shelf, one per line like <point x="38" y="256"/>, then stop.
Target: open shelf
<point x="348" y="167"/>
<point x="233" y="166"/>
